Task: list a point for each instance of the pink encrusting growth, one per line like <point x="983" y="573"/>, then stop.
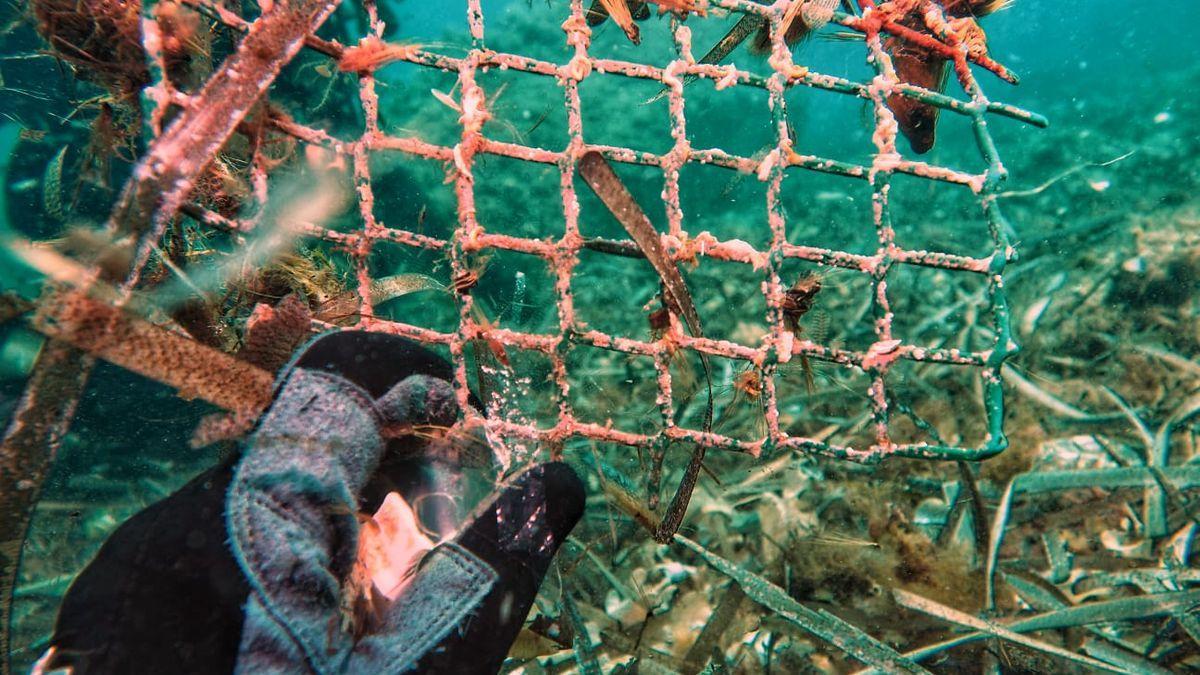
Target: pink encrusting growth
<point x="561" y="254"/>
<point x="469" y="101"/>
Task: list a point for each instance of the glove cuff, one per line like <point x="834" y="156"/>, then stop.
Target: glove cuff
<point x="452" y="583"/>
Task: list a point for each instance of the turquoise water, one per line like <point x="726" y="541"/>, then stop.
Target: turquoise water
<point x="1104" y="213"/>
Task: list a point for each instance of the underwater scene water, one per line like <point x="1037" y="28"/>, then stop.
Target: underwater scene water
<point x="925" y="357"/>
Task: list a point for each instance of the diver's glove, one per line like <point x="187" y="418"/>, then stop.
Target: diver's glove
<point x="166" y="592"/>
<point x="293" y="529"/>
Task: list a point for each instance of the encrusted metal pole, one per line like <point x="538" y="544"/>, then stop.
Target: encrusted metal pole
<point x="166" y="176"/>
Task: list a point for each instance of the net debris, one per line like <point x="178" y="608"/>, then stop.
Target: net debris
<point x="888" y="28"/>
<point x="900" y="36"/>
<point x="909" y="44"/>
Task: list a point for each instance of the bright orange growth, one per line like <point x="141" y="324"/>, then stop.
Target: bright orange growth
<point x="971" y="34"/>
<point x="619" y="12"/>
<point x="684" y="6"/>
<point x="372" y="53"/>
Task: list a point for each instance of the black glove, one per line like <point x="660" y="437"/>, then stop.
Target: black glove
<point x="175" y="590"/>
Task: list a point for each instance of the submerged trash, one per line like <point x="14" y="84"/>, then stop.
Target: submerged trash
<point x="577" y="268"/>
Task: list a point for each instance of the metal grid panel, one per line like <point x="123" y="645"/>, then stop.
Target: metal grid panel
<point x="561" y="254"/>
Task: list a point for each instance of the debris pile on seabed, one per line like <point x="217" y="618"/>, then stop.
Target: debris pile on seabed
<point x="629" y="299"/>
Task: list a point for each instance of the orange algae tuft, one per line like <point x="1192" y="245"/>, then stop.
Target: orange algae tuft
<point x="371" y="53"/>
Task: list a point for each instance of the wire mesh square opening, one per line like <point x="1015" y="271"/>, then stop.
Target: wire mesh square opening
<point x="518" y="198"/>
<point x="835" y="410"/>
<point x="825" y="52"/>
<point x="610" y="44"/>
<point x="526" y="108"/>
<point x="644" y="182"/>
<point x="955" y="146"/>
<point x="737" y="210"/>
<point x="614" y="114"/>
<point x="843" y="310"/>
<point x="615" y="295"/>
<point x="409" y="108"/>
<point x="515" y="291"/>
<point x="614" y="389"/>
<point x="614" y="463"/>
<point x="707" y="33"/>
<point x="410" y="194"/>
<point x="689" y="387"/>
<point x="733" y="306"/>
<point x="940" y="309"/>
<point x="515" y="385"/>
<point x="830" y="125"/>
<point x="938" y="216"/>
<point x="714" y="113"/>
<point x="936" y="403"/>
<point x="411" y="285"/>
<point x="828" y="212"/>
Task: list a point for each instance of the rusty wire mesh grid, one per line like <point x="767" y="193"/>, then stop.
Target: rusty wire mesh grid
<point x="167" y="175"/>
<point x="561" y="254"/>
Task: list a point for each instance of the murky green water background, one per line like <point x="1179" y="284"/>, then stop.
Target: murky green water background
<point x="1112" y="247"/>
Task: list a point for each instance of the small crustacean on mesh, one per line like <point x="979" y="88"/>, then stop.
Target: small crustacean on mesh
<point x="113" y="136"/>
<point x="798" y="300"/>
<point x="749" y="383"/>
<point x="463" y="281"/>
<point x="660" y="321"/>
<point x="495" y="347"/>
<point x="474" y="106"/>
<point x="745" y="408"/>
<point x="474" y="111"/>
